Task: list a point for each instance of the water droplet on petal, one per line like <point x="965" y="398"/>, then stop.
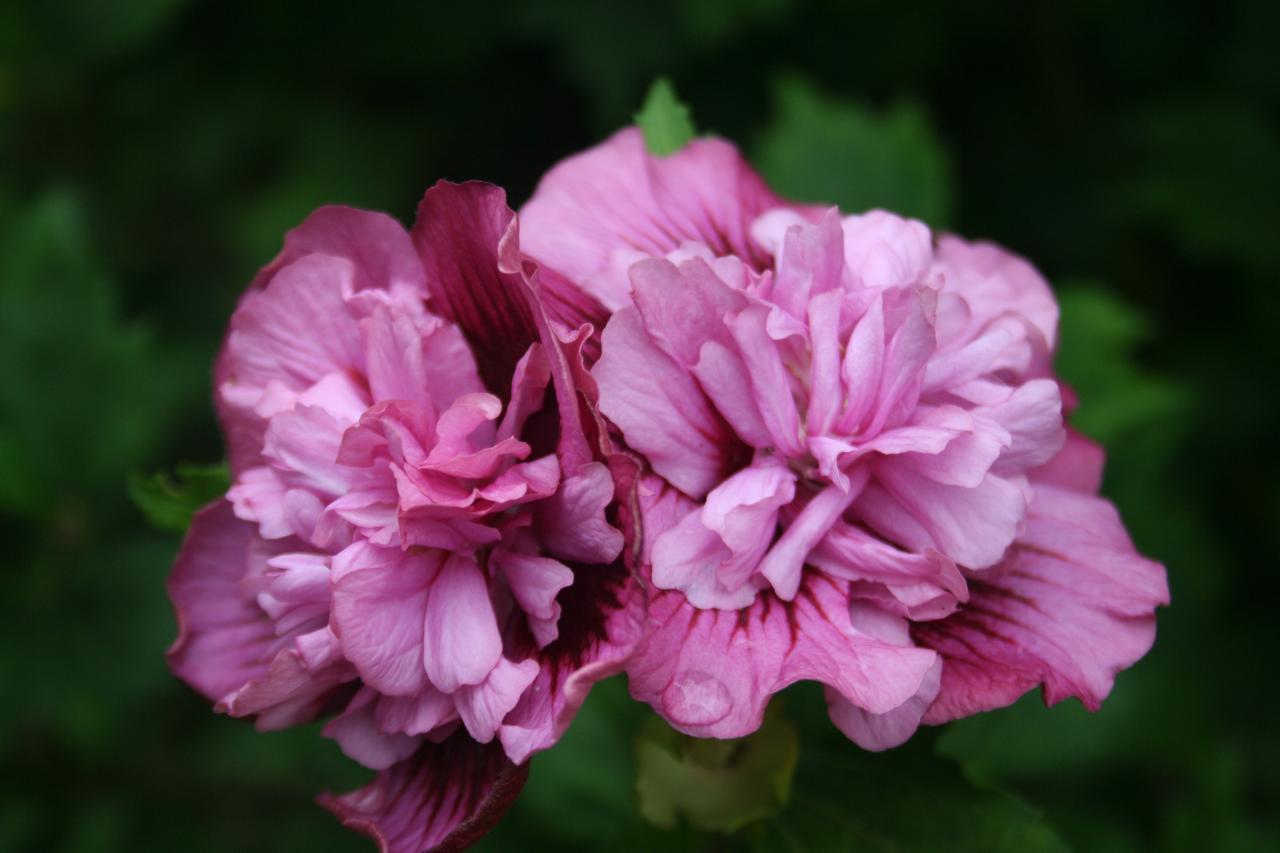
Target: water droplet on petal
<point x="696" y="698"/>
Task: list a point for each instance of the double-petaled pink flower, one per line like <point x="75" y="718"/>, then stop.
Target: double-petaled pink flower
<point x="668" y="422"/>
<point x="416" y="538"/>
<point x="857" y="468"/>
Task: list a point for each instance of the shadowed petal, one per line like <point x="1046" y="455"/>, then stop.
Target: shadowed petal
<point x="442" y="798"/>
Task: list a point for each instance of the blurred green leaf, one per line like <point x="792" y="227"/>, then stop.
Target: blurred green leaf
<point x="906" y="799"/>
<point x="82" y="392"/>
<point x="1098" y="339"/>
<point x="666" y="122"/>
<point x="168" y="502"/>
<point x="717" y="785"/>
<point x="827" y="150"/>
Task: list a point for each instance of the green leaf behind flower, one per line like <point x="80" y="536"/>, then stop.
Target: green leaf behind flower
<point x="665" y="121"/>
<point x="829" y="150"/>
<point x="169" y="502"/>
<point x="716" y="785"/>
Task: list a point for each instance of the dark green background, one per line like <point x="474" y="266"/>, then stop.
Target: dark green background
<point x="153" y="152"/>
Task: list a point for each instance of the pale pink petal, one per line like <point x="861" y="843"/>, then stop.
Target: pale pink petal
<point x="361" y="738"/>
<point x="743" y="512"/>
<point x="661" y="410"/>
<point x="420" y="714"/>
<point x="883" y="249"/>
<point x="394" y="360"/>
<point x="571" y="524"/>
<point x="683" y="307"/>
<point x="783" y="565"/>
<point x="376" y="245"/>
<point x="972" y="526"/>
<point x="462" y="642"/>
<point x="723" y="375"/>
<point x="811" y="263"/>
<point x="288" y="693"/>
<point x="770" y="379"/>
<point x="994" y="282"/>
<point x="534" y="581"/>
<point x="379" y="603"/>
<point x="1077" y="466"/>
<point x="484" y="706"/>
<point x="298" y="329"/>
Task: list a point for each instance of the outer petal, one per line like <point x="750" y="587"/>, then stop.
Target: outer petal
<point x="1071" y="606"/>
<point x="443" y="798"/>
<point x="617" y="198"/>
<point x="375" y="244"/>
<point x="895" y="727"/>
<point x="465" y="234"/>
<point x="994" y="282"/>
<point x="710" y="673"/>
<point x="224" y="638"/>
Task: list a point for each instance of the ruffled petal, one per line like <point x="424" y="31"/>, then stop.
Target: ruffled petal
<point x="710" y="673"/>
<point x="379" y="603"/>
<point x="1072" y="606"/>
<point x="660" y="409"/>
<point x="617" y="198"/>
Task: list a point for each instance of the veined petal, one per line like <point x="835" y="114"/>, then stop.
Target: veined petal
<point x="442" y="798"/>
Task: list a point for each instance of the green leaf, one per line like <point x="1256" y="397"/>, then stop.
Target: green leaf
<point x="84" y="395"/>
<point x="1096" y="356"/>
<point x="905" y="799"/>
<point x="168" y="503"/>
<point x="832" y="151"/>
<point x="716" y="785"/>
<point x="665" y="121"/>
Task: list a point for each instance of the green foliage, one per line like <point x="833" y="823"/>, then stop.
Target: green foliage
<point x="826" y="150"/>
<point x="716" y="785"/>
<point x="169" y="503"/>
<point x="666" y="123"/>
<point x="1098" y="336"/>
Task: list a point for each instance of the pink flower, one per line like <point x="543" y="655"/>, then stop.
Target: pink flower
<point x="416" y="539"/>
<point x="857" y="470"/>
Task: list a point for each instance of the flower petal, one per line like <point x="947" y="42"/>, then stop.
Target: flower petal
<point x="224" y="638"/>
<point x="710" y="673"/>
<point x="1071" y="606"/>
<point x="618" y="198"/>
<point x="379" y="603"/>
<point x="462" y="641"/>
<point x="660" y="409"/>
<point x="464" y="235"/>
<point x="444" y="797"/>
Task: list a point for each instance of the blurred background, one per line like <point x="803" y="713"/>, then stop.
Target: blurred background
<point x="154" y="152"/>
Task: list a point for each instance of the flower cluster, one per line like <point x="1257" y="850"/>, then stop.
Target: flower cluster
<point x="662" y="422"/>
